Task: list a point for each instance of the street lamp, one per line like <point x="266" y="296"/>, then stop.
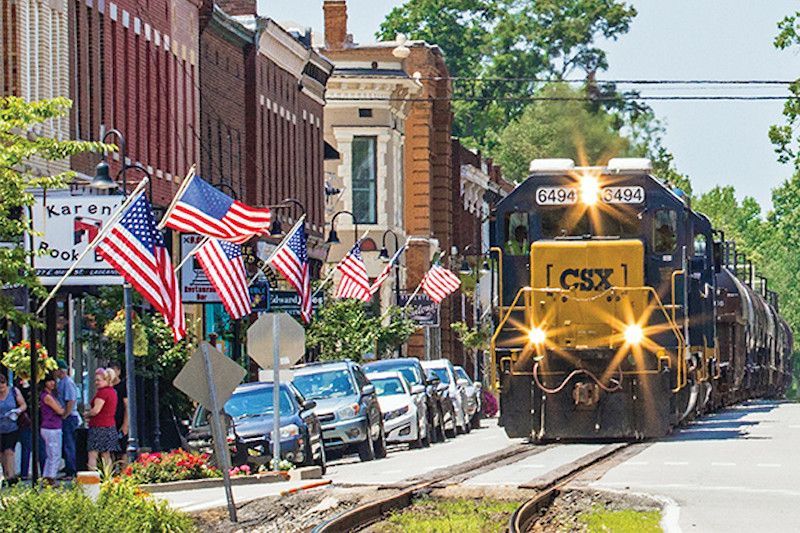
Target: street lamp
<point x="333" y="237"/>
<point x="102" y="181"/>
<point x="276" y="230"/>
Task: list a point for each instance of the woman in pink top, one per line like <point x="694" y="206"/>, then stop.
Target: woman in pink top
<point x="52" y="413"/>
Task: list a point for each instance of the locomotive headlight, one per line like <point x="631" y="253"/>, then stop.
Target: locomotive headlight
<point x="590" y="190"/>
<point x="634" y="334"/>
<point x="537" y="336"/>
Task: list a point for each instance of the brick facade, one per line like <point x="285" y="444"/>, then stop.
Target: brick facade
<point x="136" y="69"/>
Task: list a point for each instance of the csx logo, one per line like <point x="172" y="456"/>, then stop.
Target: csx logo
<point x="586" y="279"/>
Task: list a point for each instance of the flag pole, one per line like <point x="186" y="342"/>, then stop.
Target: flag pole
<point x="265" y="264"/>
<point x="100" y="236"/>
<point x="184" y="184"/>
<point x="192" y="252"/>
<point x="333" y="270"/>
<point x="416" y="291"/>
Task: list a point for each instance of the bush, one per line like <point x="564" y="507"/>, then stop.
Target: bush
<point x="121" y="508"/>
<point x="177" y="465"/>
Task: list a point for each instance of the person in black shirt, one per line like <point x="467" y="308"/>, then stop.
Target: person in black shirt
<point x="121" y="415"/>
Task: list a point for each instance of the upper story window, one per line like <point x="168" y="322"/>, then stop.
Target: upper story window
<point x="365" y="175"/>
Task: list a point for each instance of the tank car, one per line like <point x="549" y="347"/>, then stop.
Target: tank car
<point x="611" y="294"/>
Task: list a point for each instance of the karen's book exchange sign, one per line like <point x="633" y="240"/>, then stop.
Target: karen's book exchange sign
<point x="65" y="225"/>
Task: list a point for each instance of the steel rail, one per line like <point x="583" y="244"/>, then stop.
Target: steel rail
<point x="526" y="514"/>
<point x="372" y="511"/>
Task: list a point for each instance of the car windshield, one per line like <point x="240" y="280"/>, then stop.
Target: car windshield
<point x="441" y="373"/>
<point x="250" y="404"/>
<point x="388" y="386"/>
<point x="462" y="374"/>
<point x="410" y="372"/>
<point x="330" y="384"/>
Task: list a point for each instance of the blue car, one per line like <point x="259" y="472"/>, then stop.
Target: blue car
<point x="249" y="414"/>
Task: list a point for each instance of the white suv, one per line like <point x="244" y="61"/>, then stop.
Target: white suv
<point x="443" y="369"/>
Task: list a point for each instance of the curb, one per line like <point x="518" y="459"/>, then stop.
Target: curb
<point x="308" y="472"/>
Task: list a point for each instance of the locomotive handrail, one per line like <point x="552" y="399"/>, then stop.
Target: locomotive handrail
<point x="673" y="306"/>
<point x="499" y="274"/>
<point x="681" y="370"/>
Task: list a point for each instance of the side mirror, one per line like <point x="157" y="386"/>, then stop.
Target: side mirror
<point x="434" y="380"/>
<point x="442" y="387"/>
<point x="366" y="390"/>
<point x="417" y="389"/>
<point x="463" y="382"/>
<point x="309" y="405"/>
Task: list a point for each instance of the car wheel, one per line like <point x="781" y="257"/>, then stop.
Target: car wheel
<point x="365" y="450"/>
<point x="322" y="461"/>
<point x="451" y="433"/>
<point x="476" y="420"/>
<point x="441" y="431"/>
<point x="380" y="445"/>
<point x="426" y="441"/>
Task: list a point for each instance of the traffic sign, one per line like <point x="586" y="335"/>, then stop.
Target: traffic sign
<point x="192" y="379"/>
<point x="261" y="338"/>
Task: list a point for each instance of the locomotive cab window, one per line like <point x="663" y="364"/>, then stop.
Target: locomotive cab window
<point x="700" y="245"/>
<point x="665" y="231"/>
<point x="517" y="234"/>
<point x="563" y="223"/>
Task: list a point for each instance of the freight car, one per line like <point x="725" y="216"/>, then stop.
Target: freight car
<point x="622" y="312"/>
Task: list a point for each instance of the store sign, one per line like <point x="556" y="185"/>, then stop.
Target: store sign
<point x="421" y="310"/>
<point x="289" y="302"/>
<point x="65" y="225"/>
<point x="195" y="287"/>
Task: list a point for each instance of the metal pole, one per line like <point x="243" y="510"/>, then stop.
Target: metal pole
<point x="276" y="382"/>
<point x="130" y="376"/>
<point x="397" y="296"/>
<point x="427" y="343"/>
<point x="220" y="442"/>
<point x="34" y="414"/>
<point x="156" y="416"/>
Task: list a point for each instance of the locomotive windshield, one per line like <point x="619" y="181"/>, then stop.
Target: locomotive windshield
<point x="565" y="222"/>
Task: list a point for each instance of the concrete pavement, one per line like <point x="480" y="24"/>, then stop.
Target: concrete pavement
<point x="737" y="470"/>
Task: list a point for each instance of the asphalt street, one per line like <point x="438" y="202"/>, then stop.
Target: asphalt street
<point x="737" y="470"/>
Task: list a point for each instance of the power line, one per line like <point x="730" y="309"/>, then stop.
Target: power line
<point x="602" y="98"/>
<point x="627" y="81"/>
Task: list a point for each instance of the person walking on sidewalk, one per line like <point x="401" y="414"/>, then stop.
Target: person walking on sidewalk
<point x="103" y="437"/>
<point x="11" y="405"/>
<point x="68" y="396"/>
<point x="52" y="422"/>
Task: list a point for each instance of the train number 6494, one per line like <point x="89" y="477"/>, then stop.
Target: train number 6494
<point x="556" y="195"/>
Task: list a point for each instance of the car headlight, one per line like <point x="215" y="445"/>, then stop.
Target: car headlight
<point x="348" y="411"/>
<point x="394" y="414"/>
<point x="289" y="431"/>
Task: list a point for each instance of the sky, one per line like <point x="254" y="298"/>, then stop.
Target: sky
<point x="714" y="142"/>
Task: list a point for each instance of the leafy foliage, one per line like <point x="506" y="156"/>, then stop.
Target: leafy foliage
<point x="343" y="329"/>
<point x="18" y="360"/>
<point x="508" y="39"/>
<point x="20" y="149"/>
<point x="473" y="338"/>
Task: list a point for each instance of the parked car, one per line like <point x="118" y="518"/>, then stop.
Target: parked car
<point x="405" y="417"/>
<point x="249" y="419"/>
<point x="443" y="369"/>
<point x="347" y="407"/>
<point x="437" y="403"/>
<point x="473" y="390"/>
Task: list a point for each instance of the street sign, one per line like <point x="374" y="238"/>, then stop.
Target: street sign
<point x="64" y="226"/>
<point x="289" y="302"/>
<point x="421" y="310"/>
<point x="226" y="375"/>
<point x="261" y="340"/>
<point x="195" y="287"/>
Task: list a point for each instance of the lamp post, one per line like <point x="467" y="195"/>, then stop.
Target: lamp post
<point x="333" y="237"/>
<point x="103" y="181"/>
<point x="384" y="256"/>
<point x="275" y="229"/>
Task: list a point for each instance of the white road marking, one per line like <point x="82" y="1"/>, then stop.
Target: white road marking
<point x="723" y="464"/>
<point x="794" y="426"/>
<point x="769" y="465"/>
<point x="676" y="463"/>
<point x="637" y="463"/>
<point x="531" y="466"/>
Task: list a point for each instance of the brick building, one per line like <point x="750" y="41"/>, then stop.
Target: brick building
<point x="427" y="166"/>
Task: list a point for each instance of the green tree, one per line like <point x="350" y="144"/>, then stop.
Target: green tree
<point x="741" y="221"/>
<point x="20" y="149"/>
<point x="566" y="128"/>
<point x="508" y="39"/>
<point x="785" y="137"/>
<point x="343" y="329"/>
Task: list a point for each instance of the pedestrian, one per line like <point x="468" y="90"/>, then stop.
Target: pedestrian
<point x="121" y="414"/>
<point x="52" y="421"/>
<point x="25" y="428"/>
<point x="102" y="430"/>
<point x="11" y="405"/>
<point x="68" y="396"/>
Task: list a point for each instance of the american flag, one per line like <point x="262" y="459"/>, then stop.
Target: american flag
<point x="136" y="249"/>
<point x="208" y="211"/>
<point x="224" y="267"/>
<point x="354" y="283"/>
<point x="291" y="260"/>
<point x="439" y="283"/>
<point x="376" y="285"/>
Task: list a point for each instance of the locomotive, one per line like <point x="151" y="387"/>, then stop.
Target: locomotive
<point x="621" y="311"/>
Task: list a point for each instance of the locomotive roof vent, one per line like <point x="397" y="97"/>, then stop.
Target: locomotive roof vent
<point x="629" y="164"/>
<point x="551" y="165"/>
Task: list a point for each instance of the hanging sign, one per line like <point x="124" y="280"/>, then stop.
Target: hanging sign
<point x="195" y="287"/>
<point x="65" y="225"/>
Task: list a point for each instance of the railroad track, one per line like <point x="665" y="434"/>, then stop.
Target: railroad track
<point x="547" y="491"/>
<point x="547" y="487"/>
